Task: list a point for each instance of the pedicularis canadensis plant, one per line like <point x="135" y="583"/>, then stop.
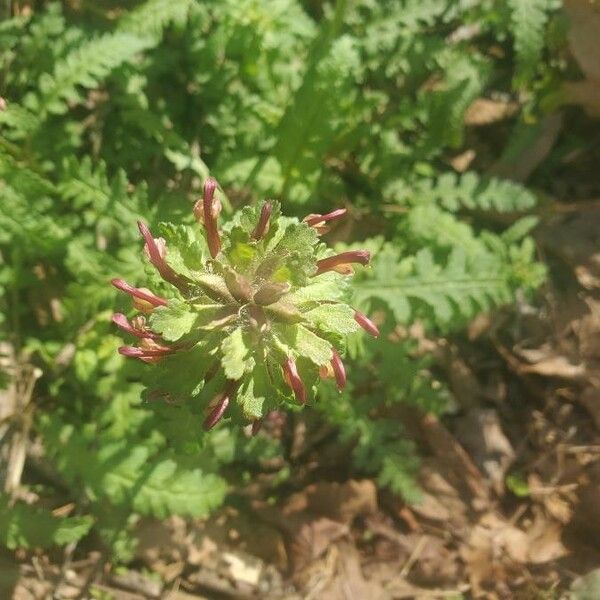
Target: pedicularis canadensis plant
<point x="256" y="312"/>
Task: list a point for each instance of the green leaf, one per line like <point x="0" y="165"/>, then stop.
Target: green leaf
<point x="24" y="526"/>
<point x="173" y="321"/>
<point x="311" y="346"/>
<point x="158" y="487"/>
<point x="528" y="20"/>
<point x="181" y="375"/>
<point x="186" y="248"/>
<point x="336" y="318"/>
<point x="331" y="285"/>
<point x="255" y="395"/>
<point x="291" y="256"/>
<point x="236" y="360"/>
<point x="460" y="287"/>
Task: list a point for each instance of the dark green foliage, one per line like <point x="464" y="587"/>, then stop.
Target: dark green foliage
<point x="110" y="120"/>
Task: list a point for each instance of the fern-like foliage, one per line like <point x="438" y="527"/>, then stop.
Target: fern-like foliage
<point x="528" y="21"/>
<point x="84" y="68"/>
<point x="469" y="191"/>
<point x="152" y="17"/>
<point x="107" y="120"/>
<point x="444" y="293"/>
<point x="24" y="526"/>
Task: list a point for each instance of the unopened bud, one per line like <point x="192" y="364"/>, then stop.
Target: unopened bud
<point x="319" y="222"/>
<point x="210" y="220"/>
<point x="366" y="323"/>
<point x="156" y="251"/>
<point x="238" y="286"/>
<point x="262" y="227"/>
<point x="271" y="292"/>
<point x="290" y="374"/>
<point x="137" y="327"/>
<point x="343" y="260"/>
<point x="215" y="415"/>
<point x="338" y="370"/>
<point x="145" y="298"/>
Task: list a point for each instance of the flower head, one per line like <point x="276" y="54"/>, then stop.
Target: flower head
<point x="244" y="328"/>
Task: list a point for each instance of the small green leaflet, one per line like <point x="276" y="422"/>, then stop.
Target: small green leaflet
<point x="254" y="393"/>
<point x="236" y="360"/>
<point x="337" y="318"/>
<point x="172" y="321"/>
<point x="311" y="346"/>
<point x="23" y="526"/>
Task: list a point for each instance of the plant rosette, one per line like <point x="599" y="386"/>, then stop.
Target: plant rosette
<point x="255" y="314"/>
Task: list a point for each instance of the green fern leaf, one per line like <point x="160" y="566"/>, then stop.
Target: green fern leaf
<point x="528" y="21"/>
<point x="85" y="68"/>
<point x="449" y="292"/>
<point x="153" y="16"/>
<point x="473" y="192"/>
<point x="24" y="526"/>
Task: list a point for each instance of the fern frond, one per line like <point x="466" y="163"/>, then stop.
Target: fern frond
<point x="153" y="16"/>
<point x="84" y="68"/>
<point x="85" y="184"/>
<point x="19" y="121"/>
<point x="24" y="526"/>
<point x="23" y="180"/>
<point x="24" y="220"/>
<point x="528" y="22"/>
<point x="132" y="473"/>
<point x="430" y="225"/>
<point x="442" y="293"/>
<point x="474" y="192"/>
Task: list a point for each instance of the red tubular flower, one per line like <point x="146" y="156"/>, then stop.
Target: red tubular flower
<point x="256" y="426"/>
<point x="156" y="250"/>
<point x="149" y="352"/>
<point x="366" y="323"/>
<point x="217" y="412"/>
<point x="338" y="370"/>
<point x="342" y="262"/>
<point x="143" y="294"/>
<point x="210" y="218"/>
<point x="262" y="227"/>
<point x="319" y="221"/>
<point x="136" y="327"/>
<point x="290" y="374"/>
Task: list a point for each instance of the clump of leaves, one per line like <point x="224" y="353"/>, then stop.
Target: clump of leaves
<point x="253" y="315"/>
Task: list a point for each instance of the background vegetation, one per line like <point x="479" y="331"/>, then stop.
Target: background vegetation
<point x="119" y="110"/>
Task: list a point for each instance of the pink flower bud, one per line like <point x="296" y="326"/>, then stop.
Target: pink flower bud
<point x="156" y="251"/>
<point x="319" y="221"/>
<point x="262" y="227"/>
<point x="338" y="370"/>
<point x="366" y="323"/>
<point x="215" y="415"/>
<point x="140" y="293"/>
<point x="343" y="260"/>
<point x="149" y="352"/>
<point x="210" y="220"/>
<point x="136" y="327"/>
<point x="198" y="210"/>
<point x="290" y="374"/>
<point x="256" y="426"/>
